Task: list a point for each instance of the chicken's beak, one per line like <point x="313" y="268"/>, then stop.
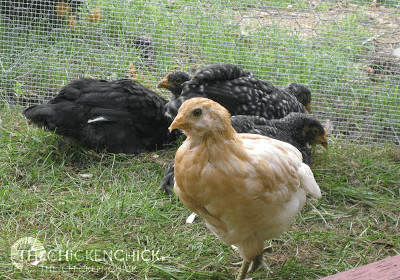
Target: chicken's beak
<point x="178" y="123"/>
<point x="161" y="85"/>
<point x="308" y="108"/>
<point x="323" y="140"/>
<point x="164" y="82"/>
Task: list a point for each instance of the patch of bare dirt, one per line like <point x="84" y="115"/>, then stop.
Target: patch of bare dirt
<point x="310" y="21"/>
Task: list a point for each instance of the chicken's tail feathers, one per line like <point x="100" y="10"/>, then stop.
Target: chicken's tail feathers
<point x="307" y="181"/>
<point x="65" y="117"/>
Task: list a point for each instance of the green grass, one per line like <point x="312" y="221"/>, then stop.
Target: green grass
<point x="95" y="212"/>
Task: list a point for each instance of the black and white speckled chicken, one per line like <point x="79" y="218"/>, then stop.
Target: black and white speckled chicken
<point x="298" y="129"/>
<point x="301" y="93"/>
<point x="237" y="90"/>
<point x="122" y="116"/>
<point x="175" y="81"/>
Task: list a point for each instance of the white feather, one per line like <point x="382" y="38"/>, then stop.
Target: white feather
<point x="98" y="119"/>
<point x="307" y="181"/>
<point x="191" y="218"/>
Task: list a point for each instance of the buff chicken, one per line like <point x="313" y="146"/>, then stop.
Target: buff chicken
<point x="248" y="188"/>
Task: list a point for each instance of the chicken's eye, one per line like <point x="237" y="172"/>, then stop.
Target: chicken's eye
<point x="197" y="112"/>
<point x="178" y="81"/>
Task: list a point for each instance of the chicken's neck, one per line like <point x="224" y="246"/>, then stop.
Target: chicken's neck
<point x="215" y="145"/>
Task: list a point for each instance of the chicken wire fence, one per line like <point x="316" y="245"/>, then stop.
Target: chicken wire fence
<point x="346" y="52"/>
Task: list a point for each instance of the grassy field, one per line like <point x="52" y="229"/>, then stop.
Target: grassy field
<point x="102" y="216"/>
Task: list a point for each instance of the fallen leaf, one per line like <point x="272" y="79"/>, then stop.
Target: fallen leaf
<point x="86" y="176"/>
<point x="71" y="168"/>
<point x="35" y="263"/>
<point x="19" y="173"/>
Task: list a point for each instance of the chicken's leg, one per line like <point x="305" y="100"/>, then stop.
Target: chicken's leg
<point x="257" y="262"/>
<point x="243" y="270"/>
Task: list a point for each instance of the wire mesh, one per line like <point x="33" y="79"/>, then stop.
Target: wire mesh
<point x="346" y="52"/>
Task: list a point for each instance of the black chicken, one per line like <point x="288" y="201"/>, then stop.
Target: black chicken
<point x="297" y="129"/>
<point x="174" y="82"/>
<point x="121" y="116"/>
<point x="237" y="90"/>
<point x="146" y="47"/>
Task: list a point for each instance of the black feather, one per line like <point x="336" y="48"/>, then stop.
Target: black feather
<point x="121" y="116"/>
